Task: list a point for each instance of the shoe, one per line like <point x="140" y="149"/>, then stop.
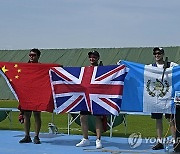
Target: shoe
<point x="98" y="144"/>
<point x="158" y="146"/>
<point x="26" y="139"/>
<point x="84" y="142"/>
<point x="36" y="140"/>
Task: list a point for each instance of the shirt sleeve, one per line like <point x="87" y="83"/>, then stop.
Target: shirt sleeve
<point x="172" y="64"/>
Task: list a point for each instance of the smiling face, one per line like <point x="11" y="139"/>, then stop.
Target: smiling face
<point x="93" y="60"/>
<point x="158" y="55"/>
<point x="33" y="57"/>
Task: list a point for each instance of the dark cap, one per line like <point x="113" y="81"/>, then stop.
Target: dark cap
<point x="94" y="52"/>
<point x="158" y="49"/>
<point x="37" y="51"/>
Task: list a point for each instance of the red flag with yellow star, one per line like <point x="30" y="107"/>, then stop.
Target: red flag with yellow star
<point x="30" y="84"/>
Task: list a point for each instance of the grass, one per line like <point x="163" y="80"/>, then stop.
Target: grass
<point x="135" y="123"/>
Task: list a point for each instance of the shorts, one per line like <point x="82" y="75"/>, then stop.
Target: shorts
<point x="159" y="116"/>
<point x="29" y="111"/>
<point x="87" y="113"/>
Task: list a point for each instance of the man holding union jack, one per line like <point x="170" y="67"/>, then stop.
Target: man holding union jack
<point x="97" y="90"/>
<point x="93" y="58"/>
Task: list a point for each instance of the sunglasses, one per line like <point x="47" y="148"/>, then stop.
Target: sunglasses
<point x="157" y="53"/>
<point x="32" y="55"/>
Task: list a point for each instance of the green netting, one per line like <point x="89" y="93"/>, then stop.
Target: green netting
<point x="78" y="57"/>
<point x="3" y="115"/>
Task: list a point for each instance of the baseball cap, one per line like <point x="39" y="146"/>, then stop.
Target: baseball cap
<point x="94" y="52"/>
<point x="158" y="49"/>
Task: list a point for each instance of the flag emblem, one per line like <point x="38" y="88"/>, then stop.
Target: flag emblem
<point x="157" y="88"/>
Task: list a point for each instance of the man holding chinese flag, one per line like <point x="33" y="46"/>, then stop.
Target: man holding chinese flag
<point x="30" y="84"/>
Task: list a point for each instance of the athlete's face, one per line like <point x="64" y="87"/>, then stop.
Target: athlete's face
<point x="93" y="60"/>
<point x="33" y="57"/>
<point x="158" y="55"/>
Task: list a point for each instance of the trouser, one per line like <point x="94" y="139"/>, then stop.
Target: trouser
<point x="177" y="122"/>
<point x="177" y="138"/>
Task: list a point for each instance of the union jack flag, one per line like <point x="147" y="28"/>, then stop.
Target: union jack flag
<point x="97" y="89"/>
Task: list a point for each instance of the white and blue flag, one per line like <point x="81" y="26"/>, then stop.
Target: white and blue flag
<point x="145" y="91"/>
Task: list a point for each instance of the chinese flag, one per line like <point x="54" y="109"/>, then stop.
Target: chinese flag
<point x="30" y="84"/>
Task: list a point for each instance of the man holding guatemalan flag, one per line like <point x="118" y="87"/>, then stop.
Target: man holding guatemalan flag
<point x="155" y="85"/>
<point x="160" y="63"/>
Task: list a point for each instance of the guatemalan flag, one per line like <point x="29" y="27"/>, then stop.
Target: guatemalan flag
<point x="95" y="89"/>
<point x="145" y="91"/>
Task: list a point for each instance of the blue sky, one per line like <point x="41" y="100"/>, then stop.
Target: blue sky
<point x="26" y="24"/>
